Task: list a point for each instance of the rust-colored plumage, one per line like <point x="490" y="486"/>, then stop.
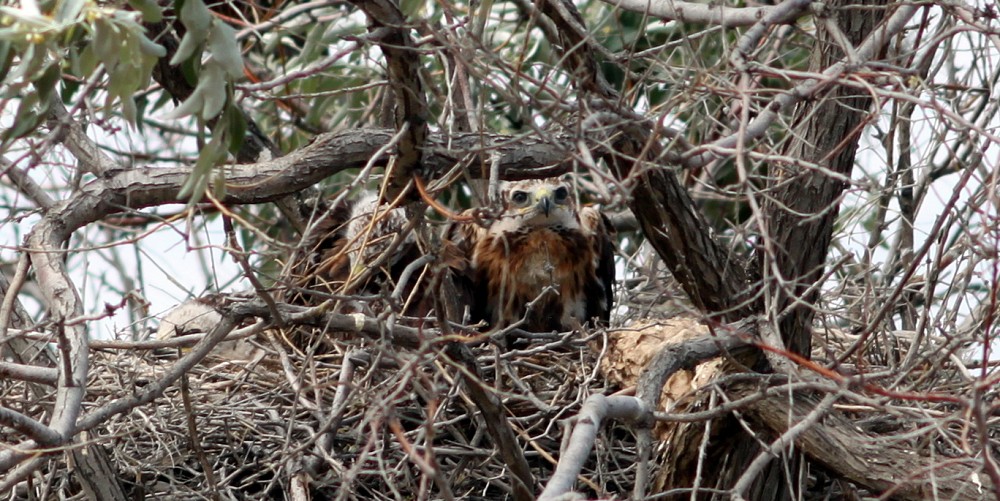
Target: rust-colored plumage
<point x="542" y="261"/>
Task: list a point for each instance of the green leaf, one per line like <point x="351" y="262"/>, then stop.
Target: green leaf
<point x="151" y="12"/>
<point x="190" y="68"/>
<point x="189" y="44"/>
<point x="208" y="157"/>
<point x="25" y="123"/>
<point x="214" y="89"/>
<point x="70" y="86"/>
<point x="30" y="19"/>
<point x="46" y="83"/>
<point x="87" y="62"/>
<point x="237" y="128"/>
<point x="128" y="109"/>
<point x="193" y="104"/>
<point x="107" y="43"/>
<point x="26" y="119"/>
<point x="31" y="62"/>
<point x="68" y="10"/>
<point x="222" y="44"/>
<point x="196" y="18"/>
<point x="6" y="56"/>
<point x="149" y="48"/>
<point x="141" y="103"/>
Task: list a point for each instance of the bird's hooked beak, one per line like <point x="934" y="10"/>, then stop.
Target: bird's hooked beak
<point x="543" y="200"/>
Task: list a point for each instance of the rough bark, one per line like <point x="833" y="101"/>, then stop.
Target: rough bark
<point x="797" y="227"/>
<point x="717" y="281"/>
<point x="94" y="470"/>
<point x="799" y="218"/>
<point x="892" y="469"/>
<point x="834" y="442"/>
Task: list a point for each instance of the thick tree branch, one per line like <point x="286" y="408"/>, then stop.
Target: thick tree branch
<point x="882" y="465"/>
<point x="70" y="132"/>
<point x="388" y="27"/>
<point x="832" y="441"/>
<point x="801" y="213"/>
<point x="592" y="414"/>
<point x="94" y="470"/>
<point x="756" y="128"/>
<point x="691" y="12"/>
<point x="38" y="432"/>
<point x="327" y="155"/>
<point x="62" y="303"/>
<point x="687" y="355"/>
<point x="30" y="373"/>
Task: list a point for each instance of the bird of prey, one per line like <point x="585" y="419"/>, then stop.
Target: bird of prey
<point x="543" y="260"/>
<point x="359" y="247"/>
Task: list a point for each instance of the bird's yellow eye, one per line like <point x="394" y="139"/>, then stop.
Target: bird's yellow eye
<point x="519" y="197"/>
<point x="561" y="194"/>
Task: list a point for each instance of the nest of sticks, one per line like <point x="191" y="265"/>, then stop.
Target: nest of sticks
<point x="314" y="412"/>
<point x="367" y="421"/>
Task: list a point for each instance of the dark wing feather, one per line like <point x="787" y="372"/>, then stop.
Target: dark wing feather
<point x="600" y="294"/>
<point x="467" y="301"/>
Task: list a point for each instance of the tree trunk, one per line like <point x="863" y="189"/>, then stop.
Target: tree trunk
<point x="799" y="219"/>
<point x="796" y="228"/>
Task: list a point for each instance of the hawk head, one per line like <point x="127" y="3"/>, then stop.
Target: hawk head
<point x="536" y="203"/>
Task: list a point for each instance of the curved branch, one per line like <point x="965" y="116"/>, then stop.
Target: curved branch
<point x="329" y="154"/>
<point x="886" y="467"/>
<point x="63" y="303"/>
<point x="29" y="373"/>
<point x="595" y="410"/>
<point x="13" y="455"/>
<point x="691" y="12"/>
<point x="687" y="355"/>
<point x="40" y="433"/>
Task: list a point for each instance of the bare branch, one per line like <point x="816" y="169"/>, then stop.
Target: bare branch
<point x="26" y="185"/>
<point x="756" y="128"/>
<point x="691" y="12"/>
<point x="41" y="434"/>
<point x="595" y="410"/>
<point x="71" y="133"/>
<point x="30" y="373"/>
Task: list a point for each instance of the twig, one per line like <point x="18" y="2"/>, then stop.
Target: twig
<point x="783" y="442"/>
<point x="499" y="429"/>
<point x="199" y="452"/>
<point x="26" y="185"/>
<point x="239" y="255"/>
<point x="10" y="294"/>
<point x="29" y="373"/>
<point x="693" y="12"/>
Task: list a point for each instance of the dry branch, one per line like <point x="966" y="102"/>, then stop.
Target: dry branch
<point x="885" y="467"/>
<point x="595" y="410"/>
<point x="692" y="12"/>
